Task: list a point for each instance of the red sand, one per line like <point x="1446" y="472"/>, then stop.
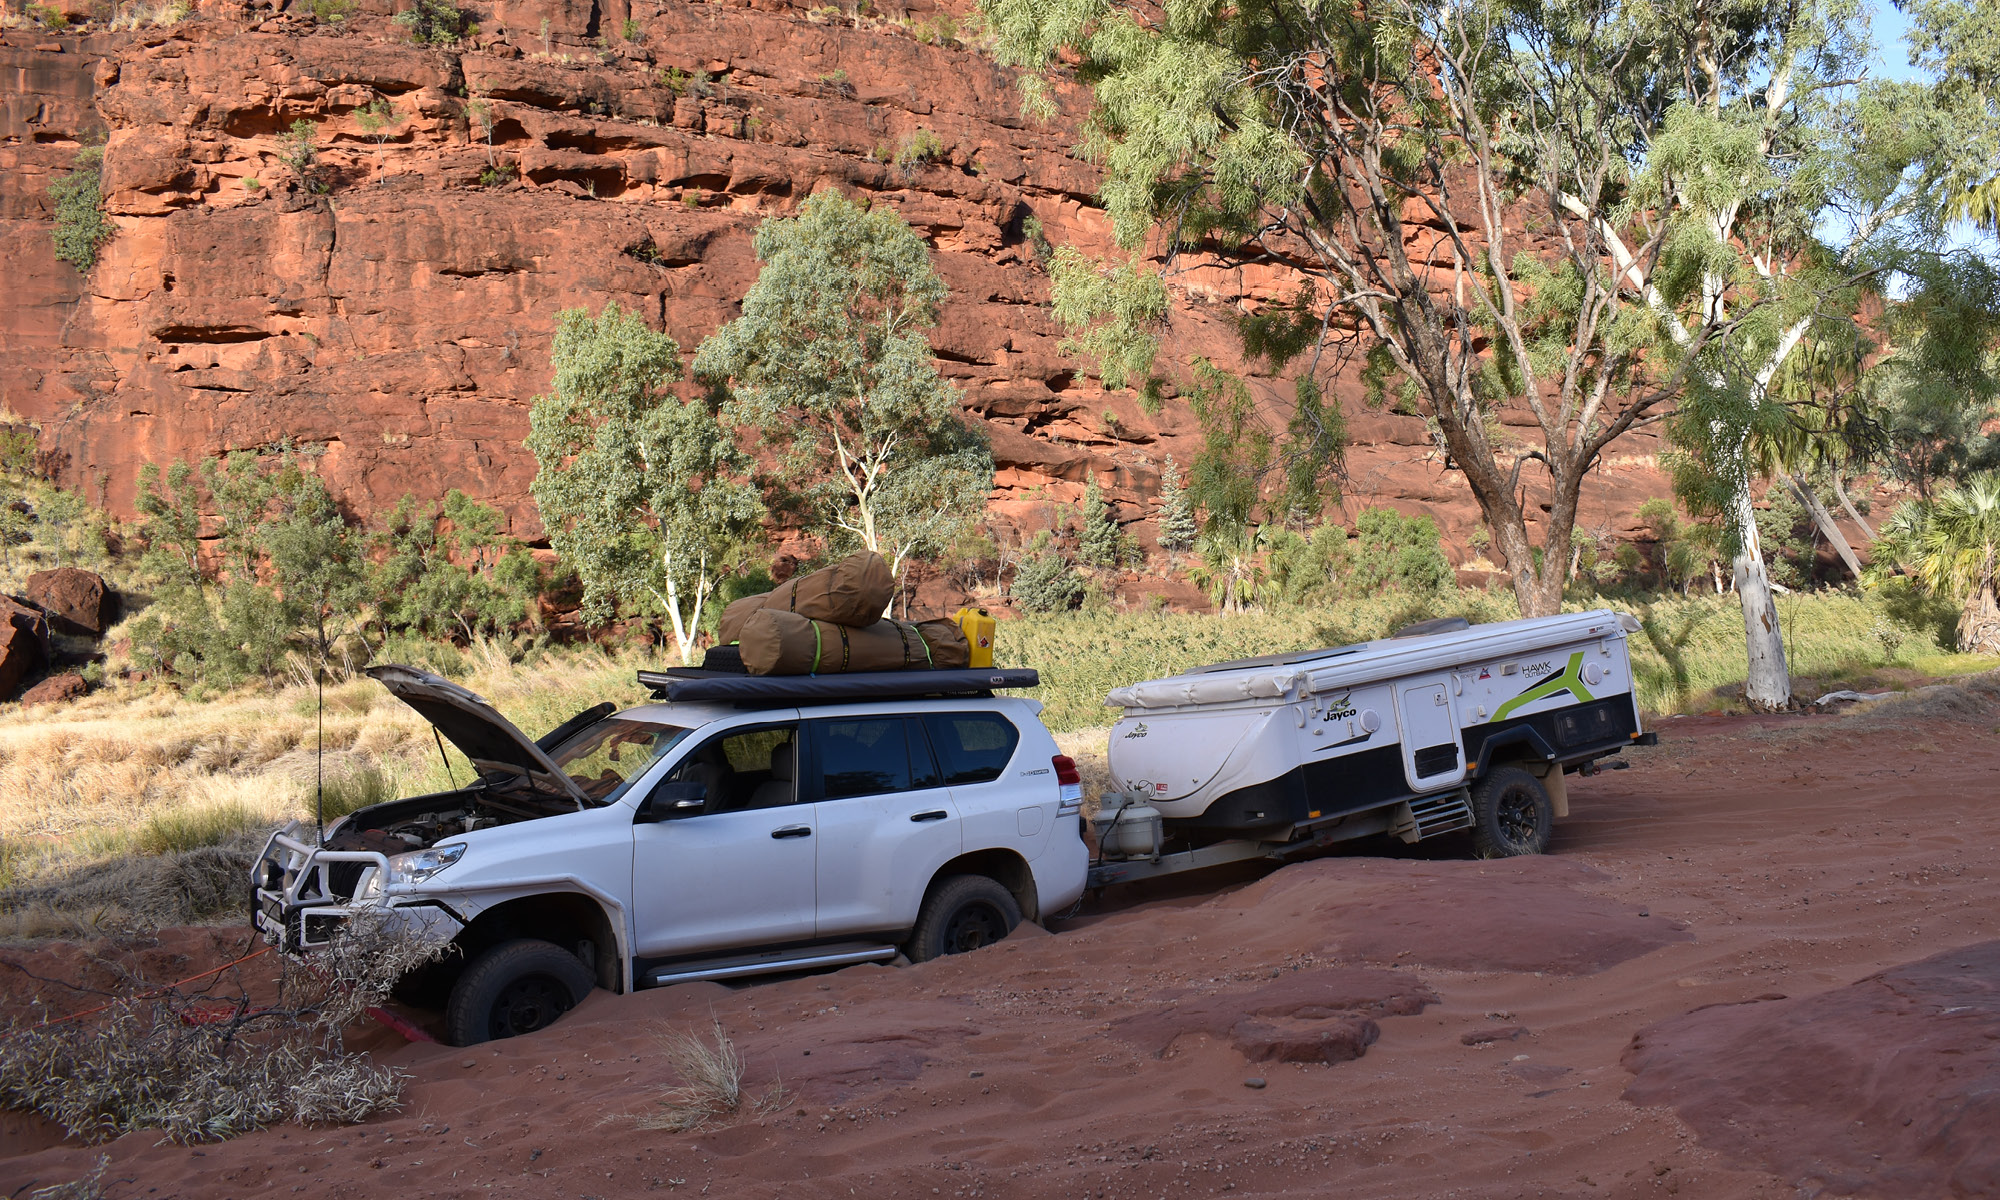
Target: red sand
<point x="1495" y="1008"/>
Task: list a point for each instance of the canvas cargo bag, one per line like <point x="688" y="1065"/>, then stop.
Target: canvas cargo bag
<point x="853" y="591"/>
<point x="776" y="642"/>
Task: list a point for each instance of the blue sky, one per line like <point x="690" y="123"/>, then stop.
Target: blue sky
<point x="1892" y="57"/>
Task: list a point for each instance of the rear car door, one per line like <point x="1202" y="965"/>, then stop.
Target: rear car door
<point x="884" y="823"/>
<point x="1432" y="758"/>
<point x="738" y="871"/>
<point x="1005" y="805"/>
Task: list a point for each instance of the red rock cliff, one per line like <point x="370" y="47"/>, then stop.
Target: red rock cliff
<point x="400" y="322"/>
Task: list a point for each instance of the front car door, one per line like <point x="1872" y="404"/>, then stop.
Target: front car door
<point x="884" y="821"/>
<point x="737" y="871"/>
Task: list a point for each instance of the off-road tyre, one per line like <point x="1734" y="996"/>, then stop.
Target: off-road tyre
<point x="514" y="988"/>
<point x="963" y="912"/>
<point x="1511" y="814"/>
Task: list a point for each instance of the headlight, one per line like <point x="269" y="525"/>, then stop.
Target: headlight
<point x="422" y="864"/>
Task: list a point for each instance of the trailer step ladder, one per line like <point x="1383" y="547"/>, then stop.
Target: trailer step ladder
<point x="1429" y="816"/>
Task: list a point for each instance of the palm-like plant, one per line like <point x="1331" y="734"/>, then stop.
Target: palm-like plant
<point x="1951" y="544"/>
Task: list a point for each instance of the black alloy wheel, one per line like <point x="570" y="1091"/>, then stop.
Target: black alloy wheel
<point x="1511" y="814"/>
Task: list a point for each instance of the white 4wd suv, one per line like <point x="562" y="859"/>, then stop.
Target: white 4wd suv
<point x="775" y="825"/>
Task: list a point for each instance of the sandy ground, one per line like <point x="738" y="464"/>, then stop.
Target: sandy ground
<point x="1764" y="962"/>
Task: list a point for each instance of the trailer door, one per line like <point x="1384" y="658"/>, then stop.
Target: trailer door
<point x="1432" y="758"/>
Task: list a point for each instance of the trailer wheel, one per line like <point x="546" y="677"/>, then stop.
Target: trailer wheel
<point x="1511" y="814"/>
<point x="962" y="913"/>
<point x="516" y="987"/>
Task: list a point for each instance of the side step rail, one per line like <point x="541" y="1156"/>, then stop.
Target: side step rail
<point x="770" y="963"/>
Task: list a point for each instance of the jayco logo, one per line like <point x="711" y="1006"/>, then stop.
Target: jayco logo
<point x="1137" y="731"/>
<point x="1339" y="710"/>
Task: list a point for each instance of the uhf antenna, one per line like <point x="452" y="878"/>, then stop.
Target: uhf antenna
<point x="319" y="766"/>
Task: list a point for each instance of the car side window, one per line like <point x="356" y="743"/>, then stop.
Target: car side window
<point x="863" y="757"/>
<point x="972" y="747"/>
<point x="745" y="769"/>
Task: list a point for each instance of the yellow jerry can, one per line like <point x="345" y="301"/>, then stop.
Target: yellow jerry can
<point x="977" y="625"/>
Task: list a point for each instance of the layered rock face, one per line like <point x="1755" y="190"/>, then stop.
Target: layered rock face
<point x="396" y="325"/>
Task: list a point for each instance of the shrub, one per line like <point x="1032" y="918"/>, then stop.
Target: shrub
<point x="1398" y="552"/>
<point x="50" y="16"/>
<point x="632" y="30"/>
<point x="711" y="1074"/>
<point x="920" y="147"/>
<point x="331" y="10"/>
<point x="1046" y="581"/>
<point x="81" y="228"/>
<point x="298" y="149"/>
<point x="435" y="22"/>
<point x="497" y="176"/>
<point x="1101" y="543"/>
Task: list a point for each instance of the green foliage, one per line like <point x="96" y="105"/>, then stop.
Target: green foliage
<point x="291" y="576"/>
<point x="1178" y="526"/>
<point x="445" y="572"/>
<point x="1306" y="570"/>
<point x="49" y="17"/>
<point x="330" y="10"/>
<point x="1100" y="542"/>
<point x="497" y="176"/>
<point x="1684" y="550"/>
<point x="642" y="492"/>
<point x="1112" y="313"/>
<point x="298" y="149"/>
<point x="830" y="364"/>
<point x="918" y="148"/>
<point x="378" y="119"/>
<point x="435" y="22"/>
<point x="81" y="226"/>
<point x="1235" y="453"/>
<point x="632" y="30"/>
<point x="1392" y="551"/>
<point x="1046" y="581"/>
<point x="683" y="83"/>
<point x="1950" y="544"/>
<point x="1784" y="528"/>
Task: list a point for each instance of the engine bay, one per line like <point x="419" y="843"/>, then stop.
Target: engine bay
<point x="423" y="821"/>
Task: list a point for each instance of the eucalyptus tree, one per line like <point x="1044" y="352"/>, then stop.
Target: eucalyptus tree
<point x="829" y="363"/>
<point x="644" y="493"/>
<point x="1603" y="212"/>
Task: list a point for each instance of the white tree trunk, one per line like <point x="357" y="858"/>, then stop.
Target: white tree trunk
<point x="1769" y="686"/>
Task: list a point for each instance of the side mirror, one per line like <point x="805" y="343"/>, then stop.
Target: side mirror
<point x="676" y="798"/>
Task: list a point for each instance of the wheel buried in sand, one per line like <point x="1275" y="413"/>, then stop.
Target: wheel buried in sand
<point x="515" y="988"/>
<point x="1511" y="814"/>
<point x="962" y="913"/>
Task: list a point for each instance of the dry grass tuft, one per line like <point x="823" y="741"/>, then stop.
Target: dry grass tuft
<point x="711" y="1074"/>
<point x="204" y="1067"/>
<point x="90" y="1187"/>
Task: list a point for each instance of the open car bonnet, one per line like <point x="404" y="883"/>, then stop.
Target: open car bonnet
<point x="491" y="741"/>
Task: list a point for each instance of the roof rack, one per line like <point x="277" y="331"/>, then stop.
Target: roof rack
<point x="693" y="684"/>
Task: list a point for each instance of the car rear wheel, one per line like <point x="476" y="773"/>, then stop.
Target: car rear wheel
<point x="514" y="988"/>
<point x="963" y="912"/>
<point x="1511" y="814"/>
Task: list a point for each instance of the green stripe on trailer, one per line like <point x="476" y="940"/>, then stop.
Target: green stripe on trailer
<point x="1571" y="681"/>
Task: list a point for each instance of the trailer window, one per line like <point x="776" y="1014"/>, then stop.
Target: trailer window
<point x="972" y="747"/>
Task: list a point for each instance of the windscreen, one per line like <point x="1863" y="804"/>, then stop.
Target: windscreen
<point x="606" y="757"/>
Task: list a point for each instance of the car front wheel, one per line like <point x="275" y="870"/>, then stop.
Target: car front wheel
<point x="514" y="988"/>
<point x="963" y="912"/>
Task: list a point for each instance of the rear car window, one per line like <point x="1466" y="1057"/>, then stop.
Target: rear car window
<point x="864" y="757"/>
<point x="972" y="747"/>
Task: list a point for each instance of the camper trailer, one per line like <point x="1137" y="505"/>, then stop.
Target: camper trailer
<point x="1443" y="728"/>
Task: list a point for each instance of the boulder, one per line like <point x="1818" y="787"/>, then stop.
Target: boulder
<point x="56" y="689"/>
<point x="22" y="653"/>
<point x="76" y="601"/>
